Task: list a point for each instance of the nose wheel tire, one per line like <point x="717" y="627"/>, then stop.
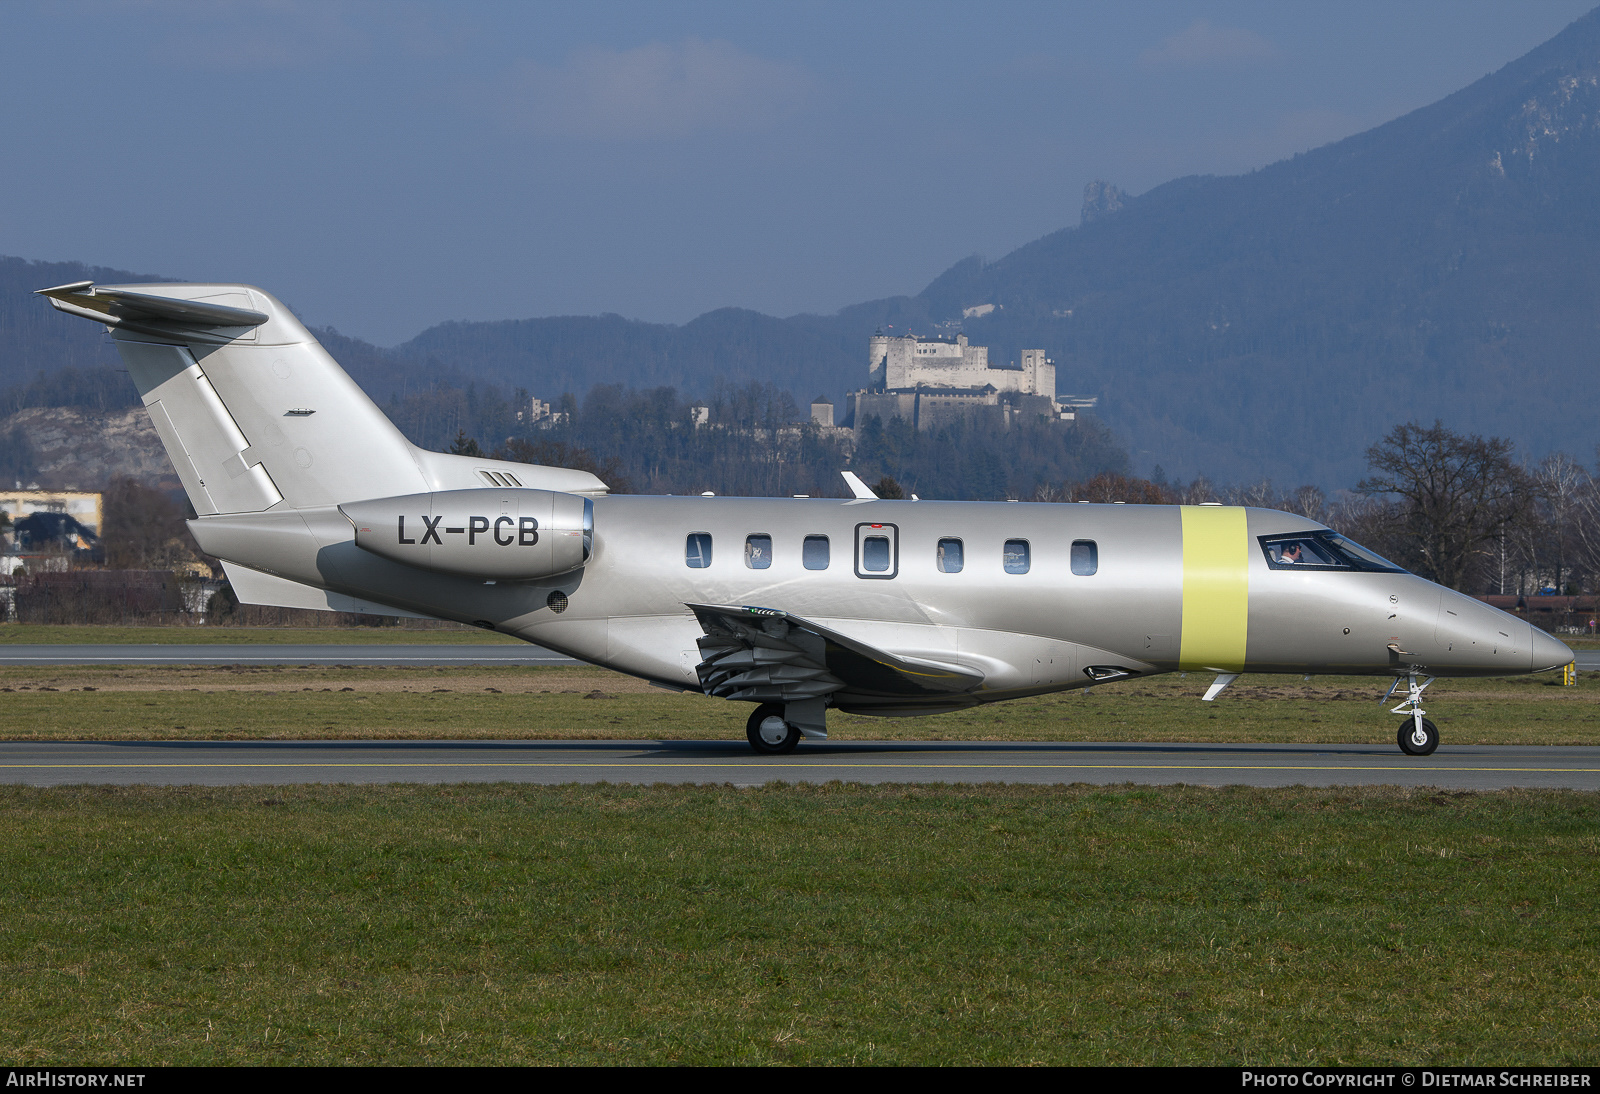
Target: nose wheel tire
<point x="769" y="734"/>
<point x="1415" y="742"/>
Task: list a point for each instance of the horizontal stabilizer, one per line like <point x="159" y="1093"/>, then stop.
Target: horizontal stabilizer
<point x="119" y="307"/>
<point x="254" y="587"/>
<point x="767" y="655"/>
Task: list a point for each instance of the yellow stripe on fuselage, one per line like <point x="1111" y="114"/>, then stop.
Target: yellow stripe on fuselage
<point x="1216" y="588"/>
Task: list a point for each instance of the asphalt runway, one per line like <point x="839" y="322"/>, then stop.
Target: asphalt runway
<point x="269" y="763"/>
<point x="414" y="656"/>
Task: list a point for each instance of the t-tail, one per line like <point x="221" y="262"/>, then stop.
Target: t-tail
<point x="288" y="464"/>
<point x="255" y="414"/>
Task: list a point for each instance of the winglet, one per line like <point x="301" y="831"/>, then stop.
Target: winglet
<point x="861" y="490"/>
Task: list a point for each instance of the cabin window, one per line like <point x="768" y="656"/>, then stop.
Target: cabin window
<point x="758" y="552"/>
<point x="697" y="551"/>
<point x="1085" y="557"/>
<point x="1017" y="558"/>
<point x="875" y="554"/>
<point x="948" y="556"/>
<point x="814" y="553"/>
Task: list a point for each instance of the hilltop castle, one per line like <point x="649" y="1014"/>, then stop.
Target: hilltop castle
<point x="934" y="381"/>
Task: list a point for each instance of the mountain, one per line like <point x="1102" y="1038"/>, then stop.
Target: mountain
<point x="1275" y="323"/>
<point x="32" y="337"/>
<point x="1271" y="324"/>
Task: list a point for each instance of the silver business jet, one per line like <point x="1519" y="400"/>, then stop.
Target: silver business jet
<point x="313" y="499"/>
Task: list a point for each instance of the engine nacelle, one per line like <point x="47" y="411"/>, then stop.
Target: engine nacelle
<point x="497" y="535"/>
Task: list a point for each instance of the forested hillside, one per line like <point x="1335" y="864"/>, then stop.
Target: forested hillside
<point x="1273" y="324"/>
<point x="637" y="438"/>
<point x="1442" y="265"/>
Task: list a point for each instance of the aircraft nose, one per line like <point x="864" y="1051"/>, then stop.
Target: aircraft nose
<point x="1548" y="652"/>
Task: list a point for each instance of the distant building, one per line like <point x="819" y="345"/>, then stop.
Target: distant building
<point x="822" y="411"/>
<point x="42" y="532"/>
<point x="541" y="414"/>
<point x="84" y="508"/>
<point x="934" y="381"/>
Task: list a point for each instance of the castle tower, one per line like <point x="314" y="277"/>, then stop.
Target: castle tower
<point x="1039" y="373"/>
<point x="878" y="360"/>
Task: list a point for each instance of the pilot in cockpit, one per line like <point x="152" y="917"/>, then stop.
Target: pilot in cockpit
<point x="1290" y="554"/>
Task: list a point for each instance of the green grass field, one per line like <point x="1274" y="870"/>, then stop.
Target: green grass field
<point x="838" y="924"/>
<point x="287" y="702"/>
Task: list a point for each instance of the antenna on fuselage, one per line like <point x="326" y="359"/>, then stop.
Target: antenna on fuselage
<point x="861" y="490"/>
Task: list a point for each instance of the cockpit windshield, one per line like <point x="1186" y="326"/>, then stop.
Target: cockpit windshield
<point x="1322" y="551"/>
<point x="1370" y="560"/>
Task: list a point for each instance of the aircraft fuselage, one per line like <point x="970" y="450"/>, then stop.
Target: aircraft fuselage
<point x="1172" y="588"/>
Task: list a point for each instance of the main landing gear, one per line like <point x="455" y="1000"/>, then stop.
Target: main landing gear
<point x="769" y="733"/>
<point x="1418" y="736"/>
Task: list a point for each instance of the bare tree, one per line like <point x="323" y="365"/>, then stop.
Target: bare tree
<point x="1109" y="486"/>
<point x="561" y="454"/>
<point x="1309" y="502"/>
<point x="1198" y="491"/>
<point x="1377" y="523"/>
<point x="1260" y="495"/>
<point x="1456" y="492"/>
<point x="144" y="529"/>
<point x="1586" y="526"/>
<point x="1567" y="549"/>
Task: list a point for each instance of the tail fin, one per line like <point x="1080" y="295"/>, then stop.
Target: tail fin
<point x="252" y="410"/>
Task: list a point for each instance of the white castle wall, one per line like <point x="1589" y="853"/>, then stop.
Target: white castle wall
<point x="909" y="362"/>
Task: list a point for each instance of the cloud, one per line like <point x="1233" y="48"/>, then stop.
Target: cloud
<point x="659" y="91"/>
<point x="1203" y="44"/>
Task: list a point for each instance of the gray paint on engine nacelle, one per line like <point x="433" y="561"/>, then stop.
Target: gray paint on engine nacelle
<point x="503" y="534"/>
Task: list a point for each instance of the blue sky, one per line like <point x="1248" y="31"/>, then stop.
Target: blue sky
<point x="386" y="166"/>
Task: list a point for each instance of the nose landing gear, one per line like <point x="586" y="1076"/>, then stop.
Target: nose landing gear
<point x="1418" y="736"/>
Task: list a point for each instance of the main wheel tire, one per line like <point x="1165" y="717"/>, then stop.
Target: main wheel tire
<point x="769" y="734"/>
<point x="1413" y="744"/>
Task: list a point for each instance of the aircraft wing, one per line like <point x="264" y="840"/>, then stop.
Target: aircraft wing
<point x="767" y="655"/>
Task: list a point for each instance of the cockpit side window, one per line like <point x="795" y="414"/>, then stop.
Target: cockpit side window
<point x="1321" y="551"/>
<point x="1304" y="551"/>
<point x="1367" y="560"/>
